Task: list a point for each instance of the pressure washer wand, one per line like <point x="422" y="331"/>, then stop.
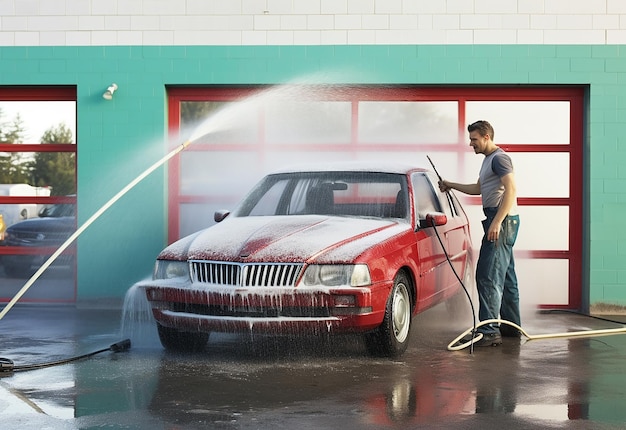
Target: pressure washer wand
<point x="435" y="169"/>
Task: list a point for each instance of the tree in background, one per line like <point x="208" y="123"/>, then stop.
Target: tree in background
<point x="55" y="169"/>
<point x="13" y="169"/>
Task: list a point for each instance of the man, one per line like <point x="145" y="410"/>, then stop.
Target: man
<point x="495" y="272"/>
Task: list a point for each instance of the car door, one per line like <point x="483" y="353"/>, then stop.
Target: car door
<point x="456" y="233"/>
<point x="433" y="270"/>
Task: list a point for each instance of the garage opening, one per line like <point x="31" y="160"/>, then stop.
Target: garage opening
<point x="37" y="191"/>
<point x="541" y="128"/>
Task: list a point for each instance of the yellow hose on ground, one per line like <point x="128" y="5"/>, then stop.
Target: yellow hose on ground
<point x="455" y="346"/>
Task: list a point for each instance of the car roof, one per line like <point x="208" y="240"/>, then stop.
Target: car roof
<point x="352" y="166"/>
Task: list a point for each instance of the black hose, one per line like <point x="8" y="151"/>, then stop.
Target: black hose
<point x="7" y="365"/>
<point x="460" y="281"/>
<point x="572" y="311"/>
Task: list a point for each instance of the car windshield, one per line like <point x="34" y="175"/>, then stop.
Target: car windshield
<point x="358" y="194"/>
<point x="57" y="211"/>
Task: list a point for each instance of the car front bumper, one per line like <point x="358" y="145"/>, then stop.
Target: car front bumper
<point x="266" y="309"/>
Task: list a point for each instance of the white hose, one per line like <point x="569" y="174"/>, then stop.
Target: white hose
<point x="87" y="223"/>
<point x="453" y="346"/>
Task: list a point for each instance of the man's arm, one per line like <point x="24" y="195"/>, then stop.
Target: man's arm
<point x="472" y="189"/>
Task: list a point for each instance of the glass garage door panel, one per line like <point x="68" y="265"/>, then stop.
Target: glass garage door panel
<point x="205" y="173"/>
<point x="319" y="122"/>
<point x="542" y="282"/>
<point x="383" y="122"/>
<point x="542" y="228"/>
<point x="401" y="157"/>
<point x="542" y="174"/>
<point x="219" y="122"/>
<point x="527" y="122"/>
<point x="197" y="216"/>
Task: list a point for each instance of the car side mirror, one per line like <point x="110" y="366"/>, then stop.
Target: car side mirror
<point x="434" y="219"/>
<point x="219" y="216"/>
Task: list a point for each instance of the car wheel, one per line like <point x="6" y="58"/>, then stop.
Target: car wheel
<point x="391" y="338"/>
<point x="181" y="341"/>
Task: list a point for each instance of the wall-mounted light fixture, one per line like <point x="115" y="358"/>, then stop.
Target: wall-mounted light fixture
<point x="108" y="94"/>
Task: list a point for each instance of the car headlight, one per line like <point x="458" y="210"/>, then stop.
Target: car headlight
<point x="171" y="269"/>
<point x="334" y="275"/>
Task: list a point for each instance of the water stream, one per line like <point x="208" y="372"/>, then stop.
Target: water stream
<point x="222" y="120"/>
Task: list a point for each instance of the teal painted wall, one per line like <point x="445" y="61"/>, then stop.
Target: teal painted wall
<point x="118" y="139"/>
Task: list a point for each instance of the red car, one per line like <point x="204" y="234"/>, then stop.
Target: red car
<point x="341" y="248"/>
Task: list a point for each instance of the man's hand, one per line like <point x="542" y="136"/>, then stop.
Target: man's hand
<point x="444" y="187"/>
<point x="494" y="231"/>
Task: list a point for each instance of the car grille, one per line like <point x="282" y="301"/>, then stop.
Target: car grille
<point x="245" y="274"/>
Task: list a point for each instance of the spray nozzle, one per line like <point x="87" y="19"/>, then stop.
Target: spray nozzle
<point x="121" y="346"/>
<point x="6" y="365"/>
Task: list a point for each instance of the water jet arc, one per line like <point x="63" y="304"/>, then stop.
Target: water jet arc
<point x="87" y="223"/>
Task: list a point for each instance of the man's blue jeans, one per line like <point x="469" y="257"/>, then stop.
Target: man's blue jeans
<point x="496" y="280"/>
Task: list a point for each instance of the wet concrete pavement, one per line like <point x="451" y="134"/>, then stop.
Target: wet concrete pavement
<point x="259" y="383"/>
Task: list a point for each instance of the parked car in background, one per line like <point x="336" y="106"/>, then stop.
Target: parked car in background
<point x="331" y="249"/>
<point x="37" y="239"/>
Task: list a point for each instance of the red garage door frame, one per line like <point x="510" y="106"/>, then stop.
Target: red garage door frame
<point x="38" y="94"/>
<point x="575" y="95"/>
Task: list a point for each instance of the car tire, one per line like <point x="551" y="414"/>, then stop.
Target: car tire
<point x="391" y="338"/>
<point x="181" y="341"/>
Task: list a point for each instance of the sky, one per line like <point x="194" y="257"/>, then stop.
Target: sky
<point x="37" y="117"/>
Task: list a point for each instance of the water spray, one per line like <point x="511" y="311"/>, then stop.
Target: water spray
<point x="87" y="223"/>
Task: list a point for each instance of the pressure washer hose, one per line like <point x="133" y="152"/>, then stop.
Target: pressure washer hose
<point x="455" y="346"/>
<point x="476" y="336"/>
<point x="87" y="223"/>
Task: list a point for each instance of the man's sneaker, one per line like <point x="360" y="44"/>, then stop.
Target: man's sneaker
<point x="489" y="339"/>
<point x="509" y="331"/>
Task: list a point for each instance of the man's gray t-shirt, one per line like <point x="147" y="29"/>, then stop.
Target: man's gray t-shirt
<point x="495" y="166"/>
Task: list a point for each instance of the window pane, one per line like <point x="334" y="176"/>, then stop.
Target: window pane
<point x="527" y="122"/>
<point x="35" y="232"/>
<point x="218" y="122"/>
<point x="196" y="216"/>
<point x="10" y="213"/>
<point x="424" y="196"/>
<point x="408" y="122"/>
<point x="542" y="281"/>
<point x="279" y="159"/>
<point x="37" y="117"/>
<point x="213" y="173"/>
<point x="542" y="228"/>
<point x="39" y="122"/>
<point x="542" y="174"/>
<point x="308" y="122"/>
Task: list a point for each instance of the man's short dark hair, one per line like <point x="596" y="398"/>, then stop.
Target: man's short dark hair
<point x="483" y="127"/>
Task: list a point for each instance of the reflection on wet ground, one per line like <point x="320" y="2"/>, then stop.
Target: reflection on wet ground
<point x="252" y="382"/>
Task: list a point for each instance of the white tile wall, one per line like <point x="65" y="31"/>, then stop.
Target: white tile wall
<point x="334" y="6"/>
<point x="311" y="22"/>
